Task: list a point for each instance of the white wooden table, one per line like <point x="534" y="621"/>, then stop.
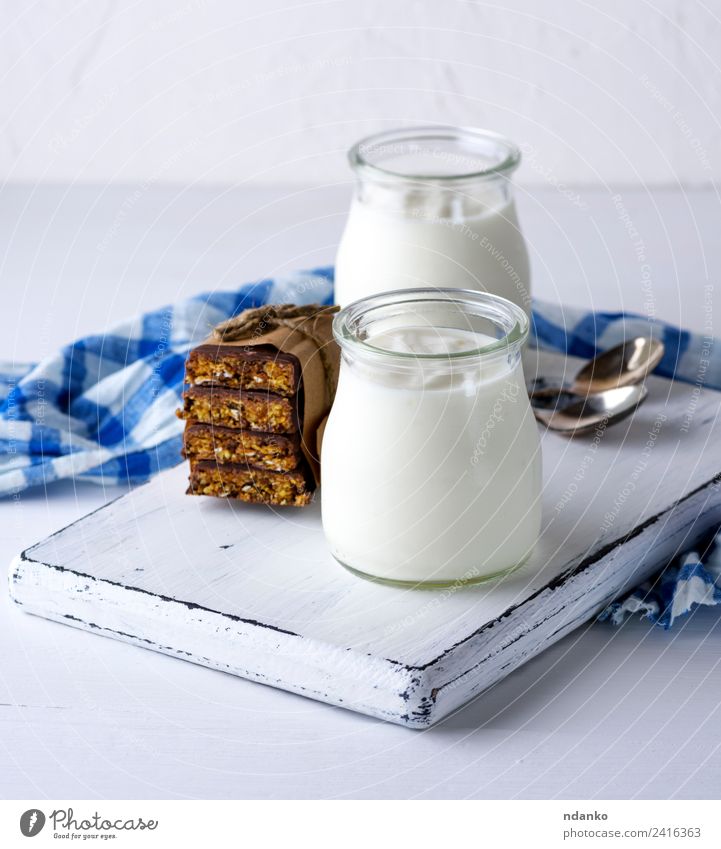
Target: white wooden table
<point x="632" y="712"/>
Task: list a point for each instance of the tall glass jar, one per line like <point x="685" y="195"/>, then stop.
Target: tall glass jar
<point x="431" y="467"/>
<point x="433" y="207"/>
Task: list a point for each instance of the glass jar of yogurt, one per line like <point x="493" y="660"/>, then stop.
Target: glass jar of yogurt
<point x="431" y="468"/>
<point x="433" y="207"/>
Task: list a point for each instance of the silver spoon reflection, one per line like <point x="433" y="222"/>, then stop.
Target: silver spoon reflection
<point x="623" y="365"/>
<point x="582" y="414"/>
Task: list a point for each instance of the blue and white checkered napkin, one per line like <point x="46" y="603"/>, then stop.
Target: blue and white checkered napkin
<point x="103" y="407"/>
<point x="675" y="592"/>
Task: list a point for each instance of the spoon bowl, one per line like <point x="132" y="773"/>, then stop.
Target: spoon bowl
<point x="586" y="413"/>
<point x="622" y="365"/>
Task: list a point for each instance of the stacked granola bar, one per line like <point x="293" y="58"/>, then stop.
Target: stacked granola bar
<point x="243" y="408"/>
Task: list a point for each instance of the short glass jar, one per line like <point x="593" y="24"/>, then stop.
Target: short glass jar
<point x="433" y="206"/>
<point x="431" y="468"/>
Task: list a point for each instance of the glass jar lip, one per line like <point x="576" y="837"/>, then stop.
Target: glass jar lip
<point x="508" y="162"/>
<point x="347" y="337"/>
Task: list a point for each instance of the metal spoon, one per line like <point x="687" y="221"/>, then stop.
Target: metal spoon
<point x="586" y="413"/>
<point x="622" y="365"/>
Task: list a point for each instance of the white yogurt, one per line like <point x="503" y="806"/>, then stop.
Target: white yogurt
<point x="431" y="240"/>
<point x="431" y="468"/>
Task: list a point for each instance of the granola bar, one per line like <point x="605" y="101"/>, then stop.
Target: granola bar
<point x="259" y="367"/>
<point x="236" y="408"/>
<point x="257" y="486"/>
<point x="272" y="451"/>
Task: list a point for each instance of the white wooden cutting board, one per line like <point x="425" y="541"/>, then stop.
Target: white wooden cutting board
<point x="253" y="592"/>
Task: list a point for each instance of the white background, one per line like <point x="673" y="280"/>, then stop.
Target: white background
<point x="620" y="91"/>
<point x="111" y="113"/>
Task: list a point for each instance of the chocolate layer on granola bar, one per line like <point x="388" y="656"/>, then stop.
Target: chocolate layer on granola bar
<point x="260" y="367"/>
<point x="257" y="486"/>
<point x="271" y="451"/>
<point x="238" y="408"/>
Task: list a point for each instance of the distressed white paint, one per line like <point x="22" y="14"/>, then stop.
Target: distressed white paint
<point x="267" y="91"/>
<point x="255" y="593"/>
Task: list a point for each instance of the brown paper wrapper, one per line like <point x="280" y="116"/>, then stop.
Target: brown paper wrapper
<point x="306" y="333"/>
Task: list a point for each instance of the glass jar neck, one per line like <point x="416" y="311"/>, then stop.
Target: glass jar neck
<point x="435" y="171"/>
<point x="459" y="330"/>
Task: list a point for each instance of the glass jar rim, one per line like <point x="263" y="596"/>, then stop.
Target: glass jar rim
<point x="491" y="307"/>
<point x="509" y="156"/>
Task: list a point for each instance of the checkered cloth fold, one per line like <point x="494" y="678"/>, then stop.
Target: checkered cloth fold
<point x="676" y="591"/>
<point x="103" y="408"/>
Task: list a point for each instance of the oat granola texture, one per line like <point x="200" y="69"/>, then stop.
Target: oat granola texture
<point x="258" y="392"/>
